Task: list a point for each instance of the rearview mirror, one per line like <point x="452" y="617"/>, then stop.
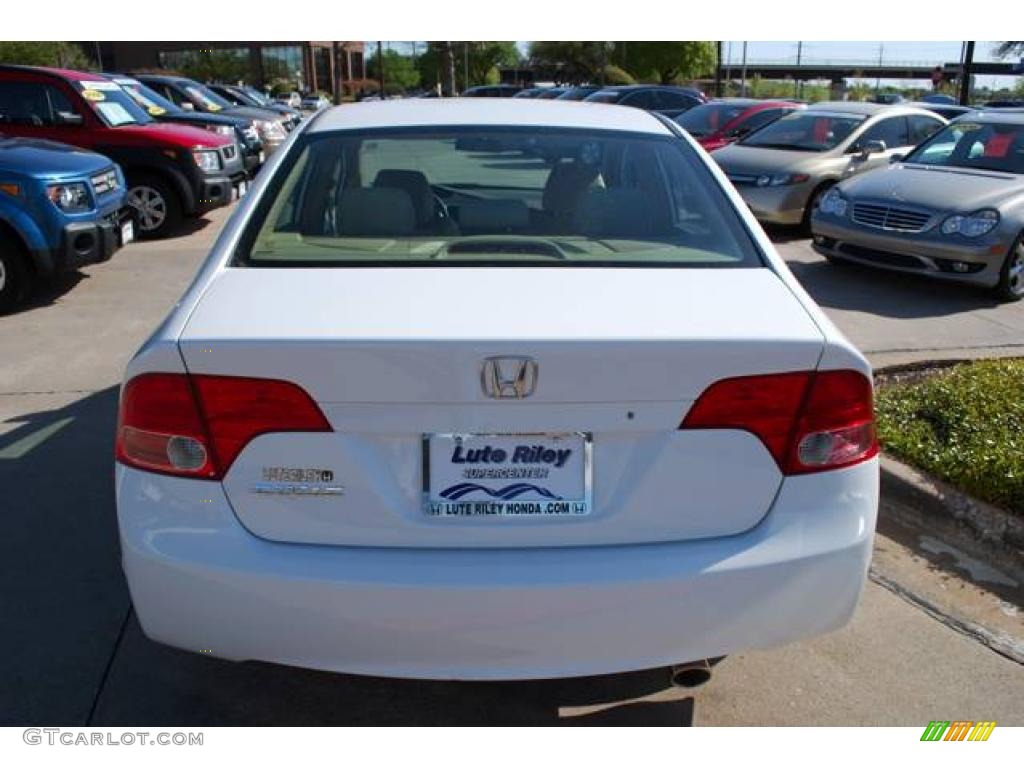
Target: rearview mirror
<point x="872" y="148"/>
<point x="69" y="118"/>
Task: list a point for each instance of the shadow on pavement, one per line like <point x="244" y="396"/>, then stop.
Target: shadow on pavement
<point x="887" y="294"/>
<point x="73" y="654"/>
<point x="154" y="684"/>
<point x="64" y="601"/>
<point x="49" y="291"/>
<point x="779" y="233"/>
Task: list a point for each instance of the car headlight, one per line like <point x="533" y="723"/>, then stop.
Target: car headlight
<point x="70" y="198"/>
<point x="972" y="225"/>
<point x="208" y="160"/>
<point x="781" y="179"/>
<point x="270" y="130"/>
<point x="833" y="202"/>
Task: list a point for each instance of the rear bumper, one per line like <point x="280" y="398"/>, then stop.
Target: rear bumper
<point x="200" y="581"/>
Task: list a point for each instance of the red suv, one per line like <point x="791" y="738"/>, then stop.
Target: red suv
<point x="172" y="171"/>
<point x="723" y="121"/>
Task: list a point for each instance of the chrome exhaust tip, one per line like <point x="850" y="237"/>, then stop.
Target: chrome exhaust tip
<point x="691" y="675"/>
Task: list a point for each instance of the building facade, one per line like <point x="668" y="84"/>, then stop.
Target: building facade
<point x="312" y="66"/>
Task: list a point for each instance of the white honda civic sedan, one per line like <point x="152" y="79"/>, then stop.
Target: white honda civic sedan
<point x="492" y="389"/>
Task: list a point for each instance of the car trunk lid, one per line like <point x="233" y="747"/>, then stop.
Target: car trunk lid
<point x="396" y="360"/>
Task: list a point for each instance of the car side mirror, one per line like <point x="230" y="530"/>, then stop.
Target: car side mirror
<point x="872" y="148"/>
<point x="895" y="158"/>
<point x="69" y="118"/>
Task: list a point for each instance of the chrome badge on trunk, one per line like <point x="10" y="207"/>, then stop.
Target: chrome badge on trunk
<point x="298" y="481"/>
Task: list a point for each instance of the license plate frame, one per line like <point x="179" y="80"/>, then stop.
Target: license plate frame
<point x="504" y="497"/>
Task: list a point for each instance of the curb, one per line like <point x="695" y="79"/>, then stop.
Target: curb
<point x="1000" y="642"/>
<point x="979" y="528"/>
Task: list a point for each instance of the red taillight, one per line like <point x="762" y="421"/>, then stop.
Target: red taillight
<point x="196" y="426"/>
<point x="809" y="421"/>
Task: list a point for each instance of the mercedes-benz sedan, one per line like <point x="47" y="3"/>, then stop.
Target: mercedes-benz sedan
<point x="458" y="413"/>
<point x="952" y="209"/>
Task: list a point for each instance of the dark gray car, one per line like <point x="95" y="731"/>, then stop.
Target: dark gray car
<point x="193" y="95"/>
<point x="953" y="208"/>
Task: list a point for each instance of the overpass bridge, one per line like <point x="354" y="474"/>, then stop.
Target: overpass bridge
<point x="836" y="71"/>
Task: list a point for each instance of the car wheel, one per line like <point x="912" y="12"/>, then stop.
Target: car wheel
<point x="156" y="204"/>
<point x="15" y="276"/>
<point x="812" y="204"/>
<point x="1011" y="278"/>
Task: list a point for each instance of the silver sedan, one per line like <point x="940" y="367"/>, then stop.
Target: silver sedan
<point x="952" y="209"/>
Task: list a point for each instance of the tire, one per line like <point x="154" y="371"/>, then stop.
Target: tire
<point x="157" y="206"/>
<point x="1011" y="276"/>
<point x="15" y="275"/>
<point x="812" y="203"/>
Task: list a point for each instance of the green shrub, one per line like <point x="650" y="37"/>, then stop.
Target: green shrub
<point x="617" y="76"/>
<point x="965" y="426"/>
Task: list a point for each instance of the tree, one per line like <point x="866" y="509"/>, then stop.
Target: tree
<point x="614" y="75"/>
<point x="484" y="56"/>
<point x="400" y="72"/>
<point x="668" y="62"/>
<point x="45" y="54"/>
<point x="215" y="65"/>
<point x="572" y="61"/>
<point x="860" y="91"/>
<point x="1007" y="49"/>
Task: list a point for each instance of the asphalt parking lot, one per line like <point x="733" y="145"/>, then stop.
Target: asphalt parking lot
<point x="74" y="654"/>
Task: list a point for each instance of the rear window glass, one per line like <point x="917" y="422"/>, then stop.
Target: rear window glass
<point x="555" y="198"/>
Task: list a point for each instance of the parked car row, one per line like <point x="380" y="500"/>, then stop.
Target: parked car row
<point x="890" y="186"/>
<point x="783" y="169"/>
<point x="89" y="161"/>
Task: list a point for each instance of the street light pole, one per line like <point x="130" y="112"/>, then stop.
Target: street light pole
<point x="380" y="68"/>
<point x="799" y="82"/>
<point x="965" y="73"/>
<point x="743" y="76"/>
<point x="718" y="68"/>
<point x="728" y="67"/>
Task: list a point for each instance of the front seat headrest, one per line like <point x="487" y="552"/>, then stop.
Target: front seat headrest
<point x="376" y="212"/>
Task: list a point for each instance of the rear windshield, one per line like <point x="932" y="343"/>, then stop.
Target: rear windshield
<point x="806" y="131"/>
<point x="708" y="118"/>
<point x="604" y="97"/>
<point x="467" y="196"/>
<point x="964" y="144"/>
